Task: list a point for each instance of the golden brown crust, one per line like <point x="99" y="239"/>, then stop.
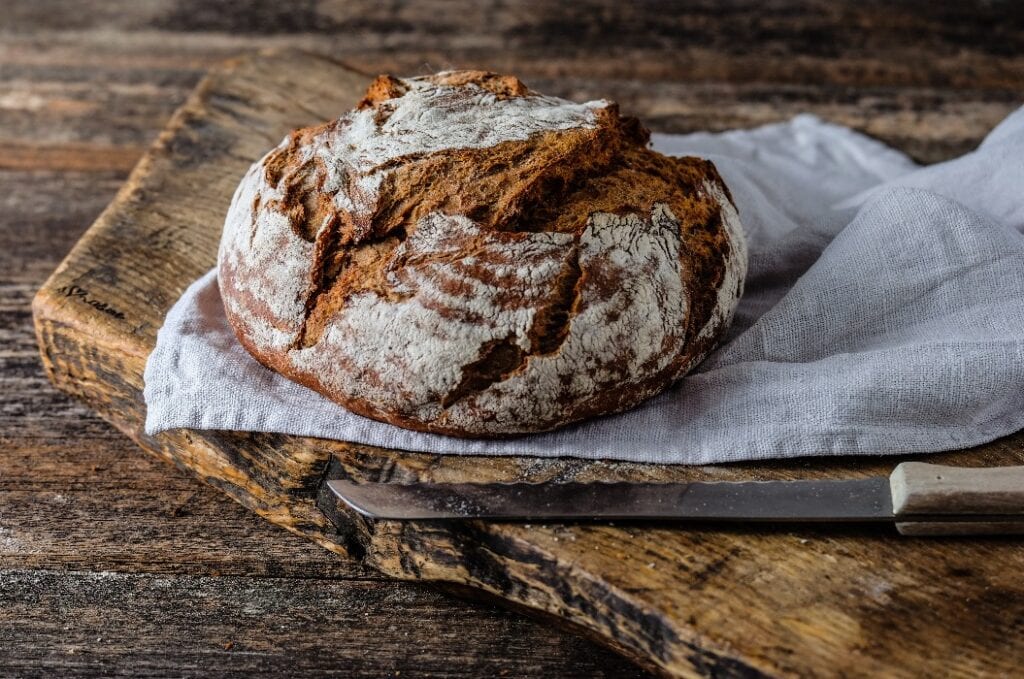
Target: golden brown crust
<point x="504" y="86"/>
<point x="384" y="87"/>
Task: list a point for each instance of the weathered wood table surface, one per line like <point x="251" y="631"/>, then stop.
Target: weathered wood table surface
<point x="113" y="563"/>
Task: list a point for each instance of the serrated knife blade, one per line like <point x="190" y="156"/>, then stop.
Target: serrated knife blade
<point x="855" y="500"/>
<point x="919" y="498"/>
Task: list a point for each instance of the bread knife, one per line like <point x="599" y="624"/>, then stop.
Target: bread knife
<point x="919" y="498"/>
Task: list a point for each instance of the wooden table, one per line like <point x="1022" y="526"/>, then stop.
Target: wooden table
<point x="113" y="563"/>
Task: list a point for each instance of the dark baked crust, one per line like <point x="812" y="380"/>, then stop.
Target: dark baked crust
<point x="514" y="222"/>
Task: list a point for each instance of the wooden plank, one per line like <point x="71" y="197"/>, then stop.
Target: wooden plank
<point x="946" y="70"/>
<point x="944" y="123"/>
<point x="115" y="624"/>
<point x="94" y="505"/>
<point x="731" y="602"/>
<point x="68" y="157"/>
<point x="904" y="39"/>
<point x="49" y="111"/>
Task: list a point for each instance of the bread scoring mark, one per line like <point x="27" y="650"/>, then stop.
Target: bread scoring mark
<point x="501" y="186"/>
<point x="254" y="210"/>
<point x="341" y="272"/>
<point x="503" y="358"/>
<point x="498" y="359"/>
<point x="464" y="256"/>
<point x="299" y="177"/>
<point x="551" y="322"/>
<point x="734" y="258"/>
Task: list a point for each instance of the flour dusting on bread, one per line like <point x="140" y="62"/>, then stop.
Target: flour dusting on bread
<point x="462" y="255"/>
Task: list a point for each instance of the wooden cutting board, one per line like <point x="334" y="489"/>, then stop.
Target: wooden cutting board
<point x="747" y="601"/>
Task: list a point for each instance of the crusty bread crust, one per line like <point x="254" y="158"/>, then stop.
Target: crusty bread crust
<point x="464" y="256"/>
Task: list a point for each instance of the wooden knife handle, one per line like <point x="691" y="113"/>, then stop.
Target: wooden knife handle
<point x="931" y="489"/>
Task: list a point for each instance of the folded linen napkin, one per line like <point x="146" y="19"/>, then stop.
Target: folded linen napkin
<point x="883" y="313"/>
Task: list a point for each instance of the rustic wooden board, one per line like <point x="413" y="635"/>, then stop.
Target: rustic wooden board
<point x="741" y="601"/>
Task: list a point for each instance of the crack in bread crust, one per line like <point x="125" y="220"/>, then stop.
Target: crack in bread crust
<point x="551" y="322"/>
<point x="462" y="255"/>
<point x="498" y="359"/>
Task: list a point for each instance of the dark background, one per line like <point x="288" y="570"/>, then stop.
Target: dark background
<point x="114" y="563"/>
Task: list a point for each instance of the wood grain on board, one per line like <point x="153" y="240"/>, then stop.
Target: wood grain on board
<point x="736" y="602"/>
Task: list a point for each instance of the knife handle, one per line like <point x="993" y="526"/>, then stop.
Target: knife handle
<point x="921" y="489"/>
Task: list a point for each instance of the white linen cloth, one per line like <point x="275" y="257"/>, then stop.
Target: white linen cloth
<point x="883" y="313"/>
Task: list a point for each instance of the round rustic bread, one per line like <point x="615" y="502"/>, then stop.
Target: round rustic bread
<point x="462" y="255"/>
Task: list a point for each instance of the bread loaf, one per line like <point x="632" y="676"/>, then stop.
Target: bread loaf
<point x="462" y="255"/>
